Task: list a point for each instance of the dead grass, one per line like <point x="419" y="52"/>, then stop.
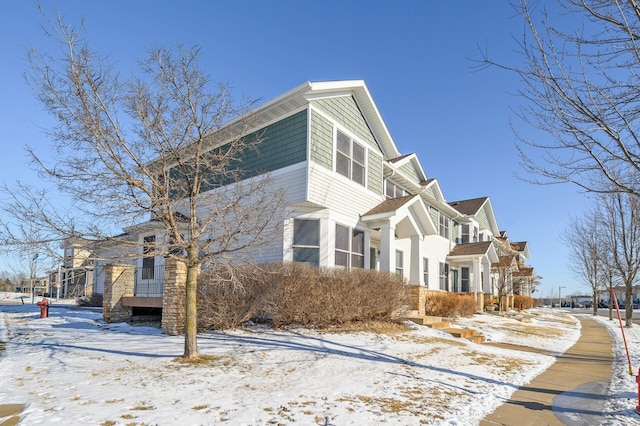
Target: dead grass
<point x="378" y="327"/>
<point x="201" y="360"/>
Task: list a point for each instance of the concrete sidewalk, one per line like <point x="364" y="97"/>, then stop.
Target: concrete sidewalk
<point x="572" y="391"/>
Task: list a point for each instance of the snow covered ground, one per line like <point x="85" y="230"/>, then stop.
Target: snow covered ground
<point x="73" y="369"/>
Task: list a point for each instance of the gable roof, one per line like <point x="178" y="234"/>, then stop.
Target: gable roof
<point x="408" y="214"/>
<point x="390" y="205"/>
<point x="522" y="247"/>
<point x="469" y="207"/>
<point x="470" y="249"/>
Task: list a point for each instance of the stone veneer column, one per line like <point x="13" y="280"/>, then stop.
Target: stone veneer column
<point x="418" y="298"/>
<point x="173" y="300"/>
<point x="118" y="282"/>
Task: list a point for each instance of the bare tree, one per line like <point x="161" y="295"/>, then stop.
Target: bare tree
<point x="584" y="237"/>
<point x="621" y="220"/>
<point x="166" y="146"/>
<point x="581" y="87"/>
<point x="504" y="273"/>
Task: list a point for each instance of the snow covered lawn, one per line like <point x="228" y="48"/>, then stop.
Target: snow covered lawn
<point x="73" y="369"/>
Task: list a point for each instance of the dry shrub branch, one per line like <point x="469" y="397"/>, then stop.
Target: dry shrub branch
<point x="297" y="294"/>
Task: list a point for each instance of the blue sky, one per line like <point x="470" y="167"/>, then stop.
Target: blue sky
<point x="413" y="55"/>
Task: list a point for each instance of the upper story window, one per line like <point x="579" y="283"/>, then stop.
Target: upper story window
<point x="392" y="190"/>
<point x="350" y="158"/>
<point x="445" y="224"/>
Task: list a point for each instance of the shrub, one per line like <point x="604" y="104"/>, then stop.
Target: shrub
<point x="522" y="301"/>
<point x="467" y="305"/>
<point x="295" y="293"/>
<point x="94" y="300"/>
<point x="450" y="305"/>
<point x="230" y="296"/>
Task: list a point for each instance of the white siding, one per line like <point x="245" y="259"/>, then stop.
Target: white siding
<point x="339" y="194"/>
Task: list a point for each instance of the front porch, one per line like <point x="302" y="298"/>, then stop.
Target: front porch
<point x="129" y="289"/>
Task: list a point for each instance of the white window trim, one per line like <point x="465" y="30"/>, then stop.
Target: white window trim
<point x="349" y="252"/>
<point x="360" y="142"/>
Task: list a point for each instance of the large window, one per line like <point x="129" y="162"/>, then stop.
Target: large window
<point x="400" y="263"/>
<point x="392" y="190"/>
<point x="465" y="233"/>
<point x="306" y="241"/>
<point x="444" y="226"/>
<point x="148" y="257"/>
<point x="444" y="276"/>
<point x="464" y="280"/>
<point x="425" y="271"/>
<point x="349" y="247"/>
<point x="350" y="158"/>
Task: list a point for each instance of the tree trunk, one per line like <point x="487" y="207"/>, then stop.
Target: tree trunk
<point x="628" y="305"/>
<point x="595" y="302"/>
<point x="191" y="317"/>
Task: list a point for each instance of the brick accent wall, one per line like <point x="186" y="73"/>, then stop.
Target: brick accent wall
<point x="118" y="282"/>
<point x="173" y="302"/>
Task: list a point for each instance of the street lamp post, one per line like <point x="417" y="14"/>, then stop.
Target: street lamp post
<point x="560" y="294"/>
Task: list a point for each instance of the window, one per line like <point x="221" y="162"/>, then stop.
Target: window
<point x="349" y="247"/>
<point x="444" y="226"/>
<point x="465" y="233"/>
<point x="464" y="280"/>
<point x="148" y="258"/>
<point x="350" y="158"/>
<point x="444" y="276"/>
<point x="425" y="271"/>
<point x="306" y="241"/>
<point x="393" y="191"/>
<point x="475" y="234"/>
<point x="400" y="263"/>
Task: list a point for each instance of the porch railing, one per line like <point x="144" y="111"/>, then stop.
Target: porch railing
<point x="149" y="281"/>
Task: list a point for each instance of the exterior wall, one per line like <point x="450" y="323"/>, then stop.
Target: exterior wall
<point x="119" y="282"/>
<point x="283" y="143"/>
<point x="337" y="193"/>
<point x="482" y="219"/>
<point x="375" y="181"/>
<point x="322" y="147"/>
<point x="345" y="112"/>
<point x="321" y="140"/>
<point x="410" y="171"/>
<point x="435" y="248"/>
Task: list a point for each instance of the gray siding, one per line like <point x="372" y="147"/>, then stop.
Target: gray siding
<point x="430" y="192"/>
<point x="321" y="141"/>
<point x="374" y="173"/>
<point x="410" y="171"/>
<point x="346" y="112"/>
<point x="482" y="219"/>
<point x="435" y="216"/>
<point x="283" y="143"/>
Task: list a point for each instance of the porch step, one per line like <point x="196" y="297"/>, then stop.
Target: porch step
<point x="466" y="333"/>
<point x="439" y="325"/>
<point x="421" y="319"/>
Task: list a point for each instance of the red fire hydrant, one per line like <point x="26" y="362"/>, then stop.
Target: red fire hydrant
<point x="44" y="307"/>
